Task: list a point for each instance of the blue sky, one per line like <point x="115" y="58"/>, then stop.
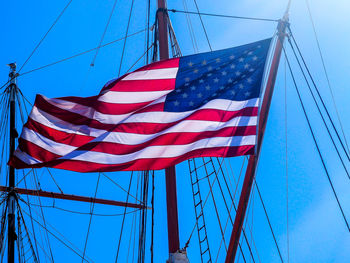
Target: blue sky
<point x="316" y="230"/>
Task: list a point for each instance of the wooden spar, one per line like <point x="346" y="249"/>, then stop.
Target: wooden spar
<point x="70" y="197"/>
<point x="253" y="159"/>
<point x="11" y="198"/>
<point x="170" y="174"/>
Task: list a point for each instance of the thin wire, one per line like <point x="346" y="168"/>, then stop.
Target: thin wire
<point x="122" y="227"/>
<point x="126" y="35"/>
<point x="55" y="236"/>
<point x="77" y="55"/>
<point x="319" y="110"/>
<point x="225" y="16"/>
<point x="316" y="144"/>
<point x="318" y="92"/>
<point x="205" y="31"/>
<point x="104" y="33"/>
<point x="47" y="32"/>
<point x="286" y="148"/>
<point x="90" y="220"/>
<point x="269" y="222"/>
<point x="326" y="73"/>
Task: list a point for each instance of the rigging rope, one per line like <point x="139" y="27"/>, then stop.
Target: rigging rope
<point x="317" y="91"/>
<point x="326" y="74"/>
<point x="268" y="220"/>
<point x="316" y="144"/>
<point x="319" y="111"/>
<point x="47" y="32"/>
<point x="220" y="15"/>
<point x="90" y="220"/>
<point x="122" y="227"/>
<point x="205" y="31"/>
<point x="103" y="34"/>
<point x="126" y="35"/>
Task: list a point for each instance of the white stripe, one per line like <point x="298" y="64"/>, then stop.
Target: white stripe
<point x="47" y="144"/>
<point x="167" y="151"/>
<point x="132" y="97"/>
<point x="163" y="73"/>
<point x="190" y="126"/>
<point x="26" y="158"/>
<point x="150" y="117"/>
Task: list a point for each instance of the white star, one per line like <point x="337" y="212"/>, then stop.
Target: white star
<point x="199" y="95"/>
<point x="204" y="62"/>
<point x="246" y="66"/>
<point x="243" y="76"/>
<point x="241" y="86"/>
<point x="178" y="90"/>
<point x="176" y="103"/>
<point x="193" y="88"/>
<point x="218" y="60"/>
<point x="233" y="92"/>
<point x="207" y="87"/>
<point x="214" y="94"/>
<point x="232" y="57"/>
<point x="216" y="80"/>
<point x="250" y="52"/>
<point x="246" y="51"/>
<point x="195" y="71"/>
<point x="249" y="80"/>
<point x="186" y="84"/>
<point x="233" y="66"/>
<point x="224" y="73"/>
<point x="209" y="74"/>
<point x="190" y="64"/>
<point x="238" y="73"/>
<point x="251" y="70"/>
<point x="241" y="60"/>
<point x="201" y="81"/>
<point x="222" y="87"/>
<point x="191" y="103"/>
<point x="255" y="58"/>
<point x="230" y="81"/>
<point x="259" y="46"/>
<point x="184" y="95"/>
<point x="187" y="79"/>
<point x="247" y="93"/>
<point x="210" y="68"/>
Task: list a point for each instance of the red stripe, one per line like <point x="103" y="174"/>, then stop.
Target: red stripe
<point x="36" y="151"/>
<point x="72" y="139"/>
<point x="140" y="164"/>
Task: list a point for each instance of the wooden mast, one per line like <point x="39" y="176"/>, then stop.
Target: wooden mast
<point x="253" y="159"/>
<point x="170" y="174"/>
<point x="11" y="197"/>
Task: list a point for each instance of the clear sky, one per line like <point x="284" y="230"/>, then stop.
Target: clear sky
<point x="317" y="232"/>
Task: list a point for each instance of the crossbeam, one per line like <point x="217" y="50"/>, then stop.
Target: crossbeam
<point x="71" y="197"/>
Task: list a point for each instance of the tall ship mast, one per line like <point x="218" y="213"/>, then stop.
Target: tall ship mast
<point x="201" y="172"/>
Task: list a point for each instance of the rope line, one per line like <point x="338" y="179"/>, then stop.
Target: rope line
<point x="319" y="111"/>
<point x="47" y="32"/>
<point x="90" y="220"/>
<point x="326" y="74"/>
<point x="220" y="15"/>
<point x="126" y="36"/>
<point x="316" y="144"/>
<point x="103" y="34"/>
<point x="318" y="93"/>
<point x="205" y="31"/>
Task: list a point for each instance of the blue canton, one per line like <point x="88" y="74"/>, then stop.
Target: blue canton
<point x="233" y="74"/>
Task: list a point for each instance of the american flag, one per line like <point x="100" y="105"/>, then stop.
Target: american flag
<point x="155" y="117"/>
